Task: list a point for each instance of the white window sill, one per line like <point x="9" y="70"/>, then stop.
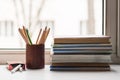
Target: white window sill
<point x="18" y="55"/>
<point x="46" y="74"/>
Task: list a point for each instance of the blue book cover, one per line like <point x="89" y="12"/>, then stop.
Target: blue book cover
<point x="80" y="52"/>
<point x="80" y="45"/>
<point x="85" y="68"/>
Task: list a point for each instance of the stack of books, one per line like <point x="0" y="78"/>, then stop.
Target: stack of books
<point x="89" y="53"/>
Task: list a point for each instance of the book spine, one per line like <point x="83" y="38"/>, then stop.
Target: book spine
<point x="81" y="40"/>
<point x="83" y="48"/>
<point x="80" y="64"/>
<point x="81" y="51"/>
<point x="80" y="45"/>
<point x="52" y="68"/>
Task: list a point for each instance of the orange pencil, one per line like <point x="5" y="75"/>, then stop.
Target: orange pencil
<point x="46" y="34"/>
<point x="41" y="41"/>
<point x="38" y="36"/>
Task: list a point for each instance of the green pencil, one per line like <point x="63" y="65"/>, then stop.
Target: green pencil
<point x="28" y="35"/>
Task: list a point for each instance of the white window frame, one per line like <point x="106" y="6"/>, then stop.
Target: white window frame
<point x="112" y="28"/>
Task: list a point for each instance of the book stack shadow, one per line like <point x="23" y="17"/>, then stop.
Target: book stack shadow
<point x="92" y="53"/>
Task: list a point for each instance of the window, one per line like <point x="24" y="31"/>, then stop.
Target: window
<point x="112" y="26"/>
<point x="64" y="17"/>
<point x="85" y="16"/>
<point x="21" y="12"/>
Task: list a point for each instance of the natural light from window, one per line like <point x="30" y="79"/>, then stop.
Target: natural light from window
<point x="64" y="17"/>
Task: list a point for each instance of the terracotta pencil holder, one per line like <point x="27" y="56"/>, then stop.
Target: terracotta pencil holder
<point x="35" y="56"/>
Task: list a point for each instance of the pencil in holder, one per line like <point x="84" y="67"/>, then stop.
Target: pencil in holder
<point x="35" y="56"/>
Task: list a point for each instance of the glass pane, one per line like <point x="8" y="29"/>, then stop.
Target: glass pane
<point x="64" y="17"/>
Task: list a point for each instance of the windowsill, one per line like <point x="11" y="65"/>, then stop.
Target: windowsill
<point x="17" y="51"/>
<point x="19" y="55"/>
<point x="46" y="74"/>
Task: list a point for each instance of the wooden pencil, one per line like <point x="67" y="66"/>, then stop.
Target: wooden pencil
<point x="46" y="34"/>
<point x="28" y="35"/>
<point x="41" y="41"/>
<point x="38" y="38"/>
<point x="25" y="33"/>
<point x="41" y="38"/>
<point x="23" y="36"/>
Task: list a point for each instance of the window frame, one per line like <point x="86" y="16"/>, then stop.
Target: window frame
<point x="112" y="28"/>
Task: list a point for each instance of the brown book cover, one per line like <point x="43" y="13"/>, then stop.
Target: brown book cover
<point x="82" y="39"/>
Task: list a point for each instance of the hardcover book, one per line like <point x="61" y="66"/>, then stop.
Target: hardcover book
<point x="69" y="68"/>
<point x="82" y="39"/>
<point x="81" y="58"/>
<point x="80" y="64"/>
